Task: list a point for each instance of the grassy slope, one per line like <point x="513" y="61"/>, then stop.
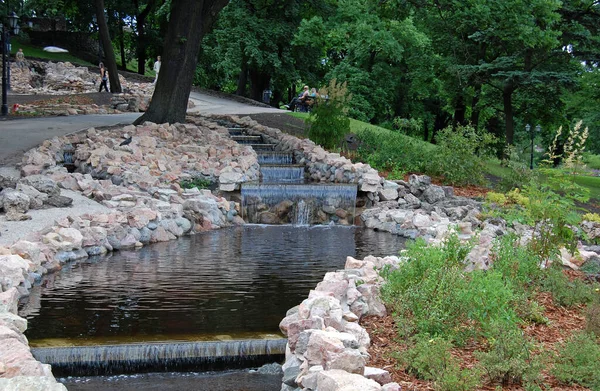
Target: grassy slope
<point x="493" y="166"/>
<point x="34" y="52"/>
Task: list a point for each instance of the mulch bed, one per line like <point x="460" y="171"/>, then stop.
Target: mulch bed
<point x="563" y="322"/>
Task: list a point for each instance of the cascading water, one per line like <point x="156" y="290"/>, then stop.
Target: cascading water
<point x="282" y="173"/>
<point x="156" y="357"/>
<point x="269" y="157"/>
<point x="274" y="203"/>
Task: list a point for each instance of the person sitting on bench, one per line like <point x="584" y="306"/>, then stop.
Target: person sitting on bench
<point x="300" y="99"/>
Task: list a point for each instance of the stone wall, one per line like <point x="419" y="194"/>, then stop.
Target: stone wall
<point x="327" y="348"/>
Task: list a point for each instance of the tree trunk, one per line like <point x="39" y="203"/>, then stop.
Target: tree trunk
<point x="509" y="130"/>
<point x="242" y="79"/>
<point x="259" y="81"/>
<point x="460" y="111"/>
<point x="122" y="43"/>
<point x="110" y="62"/>
<point x="190" y="21"/>
<point x="140" y="18"/>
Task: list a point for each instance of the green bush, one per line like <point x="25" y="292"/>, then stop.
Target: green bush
<point x="565" y="292"/>
<point x="459" y="159"/>
<point x="389" y="150"/>
<point x="509" y="359"/>
<point x="328" y="120"/>
<point x="425" y="290"/>
<point x="578" y="361"/>
<point x="430" y="359"/>
<point x="592" y="316"/>
<point x="516" y="263"/>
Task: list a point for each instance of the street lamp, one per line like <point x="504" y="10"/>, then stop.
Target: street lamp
<point x="14" y="28"/>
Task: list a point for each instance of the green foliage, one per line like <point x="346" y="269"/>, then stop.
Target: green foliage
<point x="459" y="159"/>
<point x="517" y="173"/>
<point x="496" y="198"/>
<point x="593" y="217"/>
<point x="518" y="266"/>
<point x="415" y="289"/>
<point x="430" y="359"/>
<point x="509" y="359"/>
<point x="564" y="291"/>
<point x="592" y="315"/>
<point x="578" y="361"/>
<point x="591" y="160"/>
<point x="328" y="120"/>
<point x="200" y="183"/>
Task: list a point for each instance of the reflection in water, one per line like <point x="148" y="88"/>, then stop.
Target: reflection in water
<point x="219" y="283"/>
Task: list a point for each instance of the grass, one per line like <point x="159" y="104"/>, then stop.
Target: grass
<point x="592" y="183"/>
<point x="32" y="52"/>
<point x="592" y="161"/>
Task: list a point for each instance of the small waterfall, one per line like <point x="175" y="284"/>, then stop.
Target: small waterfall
<point x="275" y="203"/>
<point x="266" y="157"/>
<point x="159" y="357"/>
<point x="246" y="139"/>
<point x="282" y="173"/>
<point x="303" y="213"/>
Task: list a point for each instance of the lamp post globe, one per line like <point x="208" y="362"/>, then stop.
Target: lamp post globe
<point x="13" y="27"/>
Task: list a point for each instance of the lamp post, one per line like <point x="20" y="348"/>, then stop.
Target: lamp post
<point x="13" y="27"/>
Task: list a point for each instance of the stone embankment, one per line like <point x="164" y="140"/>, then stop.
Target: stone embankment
<point x="327" y="348"/>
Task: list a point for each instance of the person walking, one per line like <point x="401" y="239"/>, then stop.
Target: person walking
<point x="103" y="78"/>
<point x="20" y="59"/>
<point x="156" y="69"/>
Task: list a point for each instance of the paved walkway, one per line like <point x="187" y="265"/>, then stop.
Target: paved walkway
<point x="20" y="135"/>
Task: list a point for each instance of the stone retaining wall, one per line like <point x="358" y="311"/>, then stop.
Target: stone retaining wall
<point x="327" y="348"/>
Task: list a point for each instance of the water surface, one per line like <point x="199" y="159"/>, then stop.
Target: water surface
<point x="226" y="284"/>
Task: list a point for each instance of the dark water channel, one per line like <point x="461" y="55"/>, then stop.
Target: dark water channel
<point x="229" y="283"/>
<point x="234" y="283"/>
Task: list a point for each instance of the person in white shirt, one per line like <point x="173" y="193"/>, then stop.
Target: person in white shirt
<point x="156" y="68"/>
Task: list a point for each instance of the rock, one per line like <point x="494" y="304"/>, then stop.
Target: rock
<point x="13" y="271"/>
<point x="9" y="177"/>
<point x="418" y="184"/>
<point x="388" y="194"/>
<point x="381" y="376"/>
<point x="59" y="201"/>
<point x="270" y="369"/>
<point x="43" y="184"/>
<point x="15" y="201"/>
<point x="433" y="194"/>
<point x="349" y="360"/>
<point x="337" y="380"/>
<point x="36" y="198"/>
<point x="31" y="383"/>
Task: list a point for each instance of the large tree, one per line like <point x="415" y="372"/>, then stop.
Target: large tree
<point x="110" y="61"/>
<point x="190" y="21"/>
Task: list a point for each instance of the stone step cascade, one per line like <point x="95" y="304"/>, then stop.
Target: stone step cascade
<point x="283" y="197"/>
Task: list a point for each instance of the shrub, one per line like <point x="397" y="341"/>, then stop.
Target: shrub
<point x="425" y="289"/>
<point x="430" y="359"/>
<point x="565" y="292"/>
<point x="509" y="359"/>
<point x="458" y="160"/>
<point x="593" y="217"/>
<point x="328" y="120"/>
<point x="496" y="198"/>
<point x="578" y="361"/>
<point x="592" y="316"/>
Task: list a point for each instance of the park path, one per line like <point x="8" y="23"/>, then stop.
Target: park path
<point x="20" y="135"/>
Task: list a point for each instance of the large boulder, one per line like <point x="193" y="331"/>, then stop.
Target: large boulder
<point x="43" y="184"/>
